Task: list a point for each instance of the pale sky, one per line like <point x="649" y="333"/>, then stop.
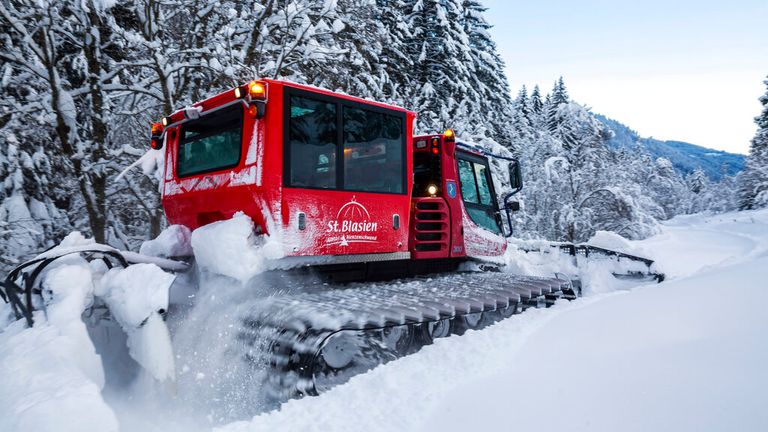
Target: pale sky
<point x="682" y="70"/>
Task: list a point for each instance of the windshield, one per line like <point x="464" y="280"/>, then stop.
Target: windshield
<point x="211" y="143"/>
<point x="477" y="193"/>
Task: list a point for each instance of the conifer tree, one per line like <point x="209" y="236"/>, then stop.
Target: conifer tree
<point x="394" y="61"/>
<point x="441" y="64"/>
<point x="558" y="97"/>
<point x="559" y="93"/>
<point x="753" y="181"/>
<point x="489" y="80"/>
<point x="536" y="103"/>
<point x="522" y="102"/>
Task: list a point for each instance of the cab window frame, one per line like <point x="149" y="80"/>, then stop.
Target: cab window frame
<point x="340" y="104"/>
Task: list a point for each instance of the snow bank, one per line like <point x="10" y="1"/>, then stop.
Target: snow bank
<point x="664" y="357"/>
<point x="51" y="375"/>
<point x="693" y="243"/>
<point x="43" y="387"/>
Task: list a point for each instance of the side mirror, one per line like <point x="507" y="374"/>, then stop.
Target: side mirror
<point x="515" y="176"/>
<point x="513" y="206"/>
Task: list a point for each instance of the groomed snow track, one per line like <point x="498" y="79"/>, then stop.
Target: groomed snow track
<point x="321" y="339"/>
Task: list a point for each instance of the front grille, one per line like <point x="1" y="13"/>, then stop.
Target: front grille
<point x="428" y="205"/>
<point x="431" y="226"/>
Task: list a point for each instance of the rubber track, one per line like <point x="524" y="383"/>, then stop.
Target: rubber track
<point x="294" y="328"/>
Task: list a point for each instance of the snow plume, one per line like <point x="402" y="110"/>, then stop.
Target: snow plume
<point x="221" y="375"/>
<point x="231" y="248"/>
<point x="174" y="241"/>
<point x="536" y="258"/>
<point x="540" y="258"/>
<point x="136" y="296"/>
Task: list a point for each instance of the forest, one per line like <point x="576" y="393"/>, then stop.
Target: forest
<point x="81" y="83"/>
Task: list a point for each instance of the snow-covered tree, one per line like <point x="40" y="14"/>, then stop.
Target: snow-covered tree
<point x="395" y="58"/>
<point x="457" y="78"/>
<point x="536" y="103"/>
<point x="664" y="186"/>
<point x="575" y="184"/>
<point x="441" y="89"/>
<point x="29" y="219"/>
<point x="698" y="185"/>
<point x="361" y="38"/>
<point x="491" y="107"/>
<point x="753" y="181"/>
<point x="65" y="54"/>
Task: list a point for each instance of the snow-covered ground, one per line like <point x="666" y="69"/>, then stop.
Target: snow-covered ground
<point x="687" y="354"/>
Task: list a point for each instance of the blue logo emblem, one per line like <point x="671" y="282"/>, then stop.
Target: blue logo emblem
<point x="450" y="187"/>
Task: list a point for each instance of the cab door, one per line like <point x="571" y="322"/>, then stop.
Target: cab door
<point x="483" y="235"/>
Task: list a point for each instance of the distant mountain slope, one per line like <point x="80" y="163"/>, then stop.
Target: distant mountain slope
<point x="684" y="156"/>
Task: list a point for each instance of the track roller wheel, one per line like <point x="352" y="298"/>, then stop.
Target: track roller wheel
<point x="491" y="317"/>
<point x="439" y="329"/>
<point x="399" y="339"/>
<point x="466" y="322"/>
<point x="510" y="310"/>
<point x="339" y="351"/>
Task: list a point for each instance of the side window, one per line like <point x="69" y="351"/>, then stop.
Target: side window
<point x="312" y="136"/>
<point x="483" y="190"/>
<point x="373" y="145"/>
<point x="467" y="179"/>
<point x="333" y="143"/>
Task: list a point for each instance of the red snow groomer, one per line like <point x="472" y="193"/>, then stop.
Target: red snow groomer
<point x="344" y="184"/>
<point x="352" y="196"/>
<point x="336" y="177"/>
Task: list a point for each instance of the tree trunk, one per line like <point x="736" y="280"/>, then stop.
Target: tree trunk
<point x="97" y="210"/>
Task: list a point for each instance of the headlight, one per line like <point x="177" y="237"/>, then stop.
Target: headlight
<point x="432" y="190"/>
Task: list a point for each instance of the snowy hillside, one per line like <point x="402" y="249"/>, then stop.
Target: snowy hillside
<point x="687" y="354"/>
<point x="685" y="157"/>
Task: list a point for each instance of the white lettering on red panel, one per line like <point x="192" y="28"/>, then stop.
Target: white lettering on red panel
<point x="352" y="225"/>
